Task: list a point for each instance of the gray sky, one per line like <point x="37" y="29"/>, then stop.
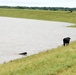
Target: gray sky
<point x="40" y="3"/>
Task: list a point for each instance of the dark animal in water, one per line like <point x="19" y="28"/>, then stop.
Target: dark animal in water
<point x="66" y="41"/>
<point x="24" y="53"/>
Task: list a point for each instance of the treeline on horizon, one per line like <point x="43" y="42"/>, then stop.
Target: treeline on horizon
<point x="41" y="8"/>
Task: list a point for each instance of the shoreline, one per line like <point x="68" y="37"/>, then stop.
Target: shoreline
<point x="33" y="36"/>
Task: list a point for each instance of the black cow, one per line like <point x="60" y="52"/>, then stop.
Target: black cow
<point x="24" y="53"/>
<point x="66" y="41"/>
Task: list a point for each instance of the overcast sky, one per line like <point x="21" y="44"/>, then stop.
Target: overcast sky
<point x="40" y="3"/>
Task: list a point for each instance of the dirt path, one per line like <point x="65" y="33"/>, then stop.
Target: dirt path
<point x="33" y="36"/>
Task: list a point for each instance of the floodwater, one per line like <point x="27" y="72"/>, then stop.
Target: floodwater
<point x="31" y="36"/>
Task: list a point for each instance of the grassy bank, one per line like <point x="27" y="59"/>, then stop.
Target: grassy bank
<point x="63" y="16"/>
<point x="59" y="61"/>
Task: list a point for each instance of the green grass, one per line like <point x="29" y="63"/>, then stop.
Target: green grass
<point x="59" y="61"/>
<point x="63" y="16"/>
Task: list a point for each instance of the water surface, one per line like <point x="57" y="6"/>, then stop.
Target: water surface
<point x="31" y="36"/>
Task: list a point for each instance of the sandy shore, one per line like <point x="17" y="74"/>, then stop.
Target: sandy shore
<point x="33" y="36"/>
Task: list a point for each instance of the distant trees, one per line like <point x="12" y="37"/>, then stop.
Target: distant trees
<point x="71" y="10"/>
<point x="41" y="8"/>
